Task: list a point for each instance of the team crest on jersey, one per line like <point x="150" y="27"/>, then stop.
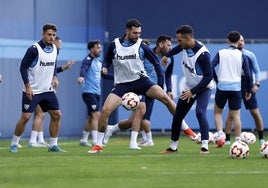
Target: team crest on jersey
<point x="94" y="106"/>
<point x="26" y="106"/>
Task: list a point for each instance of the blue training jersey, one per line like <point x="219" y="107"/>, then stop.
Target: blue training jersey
<point x="91" y="72"/>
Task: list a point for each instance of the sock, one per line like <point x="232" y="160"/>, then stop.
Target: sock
<point x="184" y="125"/>
<point x="174" y="145"/>
<point x="143" y="135"/>
<point x="33" y="138"/>
<point x="15" y="140"/>
<point x="133" y="138"/>
<point x="237" y="138"/>
<point x="115" y="128"/>
<point x="94" y="134"/>
<point x="53" y="142"/>
<point x="204" y="144"/>
<point x="100" y="136"/>
<point x="40" y="137"/>
<point x="228" y="137"/>
<point x="149" y="136"/>
<point x="84" y="137"/>
<point x="260" y="133"/>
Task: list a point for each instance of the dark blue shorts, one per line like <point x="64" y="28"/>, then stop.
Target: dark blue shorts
<point x="140" y="87"/>
<point x="234" y="99"/>
<point x="47" y="101"/>
<point x="251" y="103"/>
<point x="92" y="102"/>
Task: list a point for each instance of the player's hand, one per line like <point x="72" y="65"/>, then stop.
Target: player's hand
<point x="104" y="70"/>
<point x="186" y="95"/>
<point x="247" y="96"/>
<point x="80" y="80"/>
<point x="55" y="82"/>
<point x="164" y="60"/>
<point x="254" y="89"/>
<point x="29" y="92"/>
<point x="68" y="65"/>
<point x="170" y="94"/>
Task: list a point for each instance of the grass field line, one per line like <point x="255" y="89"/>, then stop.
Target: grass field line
<point x="220" y="172"/>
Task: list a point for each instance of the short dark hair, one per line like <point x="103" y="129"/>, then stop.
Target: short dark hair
<point x="92" y="43"/>
<point x="49" y="26"/>
<point x="185" y="29"/>
<point x="162" y="38"/>
<point x="57" y="38"/>
<point x="132" y="23"/>
<point x="234" y="36"/>
<point x="146" y="41"/>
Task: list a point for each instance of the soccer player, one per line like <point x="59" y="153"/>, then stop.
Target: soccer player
<point x="127" y="55"/>
<point x="251" y="104"/>
<point x="90" y="78"/>
<point x="37" y="134"/>
<point x="198" y="74"/>
<point x="232" y="64"/>
<point x="38" y="71"/>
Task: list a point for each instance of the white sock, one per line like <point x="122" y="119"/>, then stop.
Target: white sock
<point x="143" y="135"/>
<point x="115" y="128"/>
<point x="84" y="137"/>
<point x="184" y="125"/>
<point x="53" y="142"/>
<point x="100" y="137"/>
<point x="40" y="137"/>
<point x="174" y="145"/>
<point x="149" y="136"/>
<point x="133" y="138"/>
<point x="204" y="144"/>
<point x="15" y="140"/>
<point x="94" y="136"/>
<point x="33" y="138"/>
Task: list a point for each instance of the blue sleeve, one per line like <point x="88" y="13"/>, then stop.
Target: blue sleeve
<point x="247" y="75"/>
<point x="150" y="55"/>
<point x="84" y="67"/>
<point x="109" y="56"/>
<point x="204" y="62"/>
<point x="29" y="57"/>
<point x="177" y="49"/>
<point x="214" y="63"/>
<point x="59" y="69"/>
<point x="255" y="66"/>
<point x="168" y="75"/>
<point x="108" y="76"/>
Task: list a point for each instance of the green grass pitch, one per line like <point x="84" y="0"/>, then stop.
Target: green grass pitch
<point x="119" y="167"/>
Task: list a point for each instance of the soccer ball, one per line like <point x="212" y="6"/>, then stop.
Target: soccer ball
<point x="248" y="137"/>
<point x="130" y="101"/>
<point x="211" y="139"/>
<point x="264" y="150"/>
<point x="239" y="150"/>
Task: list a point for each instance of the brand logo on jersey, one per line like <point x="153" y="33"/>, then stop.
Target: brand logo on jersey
<point x="94" y="106"/>
<point x="125" y="57"/>
<point x="47" y="63"/>
<point x="26" y="106"/>
<point x="191" y="70"/>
